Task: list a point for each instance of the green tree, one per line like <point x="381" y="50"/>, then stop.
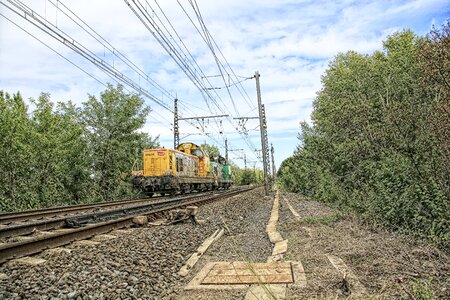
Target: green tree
<point x="212" y="150"/>
<point x="76" y="168"/>
<point x="379" y="140"/>
<point x="113" y="123"/>
<point x="16" y="154"/>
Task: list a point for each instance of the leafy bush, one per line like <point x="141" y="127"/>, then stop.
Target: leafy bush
<point x="379" y="143"/>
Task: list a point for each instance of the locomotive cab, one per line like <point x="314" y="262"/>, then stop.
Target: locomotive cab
<point x="204" y="161"/>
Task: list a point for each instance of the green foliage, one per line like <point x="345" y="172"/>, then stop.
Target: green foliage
<point x="422" y="290"/>
<point x="62" y="154"/>
<point x="112" y="124"/>
<point x="246" y="176"/>
<point x="379" y="141"/>
<point x="212" y="150"/>
<point x="16" y="153"/>
<point x="323" y="220"/>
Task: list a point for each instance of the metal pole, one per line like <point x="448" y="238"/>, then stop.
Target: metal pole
<point x="272" y="150"/>
<point x="261" y="127"/>
<point x="226" y="150"/>
<point x="176" y="132"/>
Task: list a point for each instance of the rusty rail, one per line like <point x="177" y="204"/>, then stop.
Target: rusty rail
<point x="37" y="244"/>
<point x="29" y="228"/>
<point x="55" y="211"/>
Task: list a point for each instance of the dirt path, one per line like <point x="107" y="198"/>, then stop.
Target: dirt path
<point x="377" y="265"/>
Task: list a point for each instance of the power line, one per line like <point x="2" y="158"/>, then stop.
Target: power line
<point x="190" y="67"/>
<point x="173" y="49"/>
<point x="37" y="20"/>
<point x="94" y="34"/>
<point x="248" y="142"/>
<point x="209" y="36"/>
<point x="49" y="47"/>
<point x="90" y="31"/>
<point x="70" y="61"/>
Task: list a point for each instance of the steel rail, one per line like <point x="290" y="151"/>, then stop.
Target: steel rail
<point x="54" y="211"/>
<point x="40" y="243"/>
<point x="31" y="227"/>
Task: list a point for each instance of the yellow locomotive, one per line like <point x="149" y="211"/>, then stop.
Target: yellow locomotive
<point x="186" y="169"/>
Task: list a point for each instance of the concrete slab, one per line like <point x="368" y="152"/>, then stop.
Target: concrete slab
<point x="280" y="247"/>
<point x="195" y="283"/>
<point x="57" y="251"/>
<point x="274" y="236"/>
<point x="299" y="274"/>
<point x="84" y="243"/>
<point x="293" y="211"/>
<point x="249" y="273"/>
<point x="236" y="275"/>
<point x="356" y="287"/>
<point x="27" y="260"/>
<point x="266" y="292"/>
<point x="103" y="237"/>
<point x="200" y="251"/>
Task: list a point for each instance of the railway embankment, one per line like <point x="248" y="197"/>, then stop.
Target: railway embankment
<point x="328" y="253"/>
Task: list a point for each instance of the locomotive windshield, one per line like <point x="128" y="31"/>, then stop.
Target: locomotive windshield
<point x="197" y="152"/>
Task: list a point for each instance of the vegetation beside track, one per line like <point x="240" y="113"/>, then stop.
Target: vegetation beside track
<point x="379" y="142"/>
<point x="61" y="154"/>
<point x="54" y="155"/>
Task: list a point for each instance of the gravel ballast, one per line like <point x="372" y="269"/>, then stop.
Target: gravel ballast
<point x="143" y="263"/>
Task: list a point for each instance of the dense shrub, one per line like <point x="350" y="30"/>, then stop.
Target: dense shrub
<point x="379" y="144"/>
<point x="56" y="155"/>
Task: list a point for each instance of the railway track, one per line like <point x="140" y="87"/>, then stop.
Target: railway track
<point x="88" y="225"/>
<point x="14" y="217"/>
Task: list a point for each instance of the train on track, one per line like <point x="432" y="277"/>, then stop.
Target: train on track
<point x="185" y="169"/>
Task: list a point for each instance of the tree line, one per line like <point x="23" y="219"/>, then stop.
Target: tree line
<point x="379" y="143"/>
<point x="59" y="153"/>
<point x="240" y="176"/>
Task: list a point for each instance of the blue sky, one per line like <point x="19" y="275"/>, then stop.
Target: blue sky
<point x="289" y="42"/>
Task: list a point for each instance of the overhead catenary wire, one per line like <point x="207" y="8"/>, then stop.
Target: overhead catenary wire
<point x="248" y="142"/>
<point x="146" y="19"/>
<point x="241" y="90"/>
<point x="60" y="36"/>
<point x="37" y="20"/>
<point x="94" y="34"/>
<point x="72" y="62"/>
<point x="90" y="31"/>
<point x="110" y="69"/>
<point x="208" y="42"/>
<point x="207" y="38"/>
<point x="172" y="49"/>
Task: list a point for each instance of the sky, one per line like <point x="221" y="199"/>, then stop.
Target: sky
<point x="290" y="44"/>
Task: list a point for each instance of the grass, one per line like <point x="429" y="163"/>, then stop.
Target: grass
<point x="323" y="220"/>
<point x="422" y="290"/>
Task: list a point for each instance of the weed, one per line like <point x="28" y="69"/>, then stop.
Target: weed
<point x="422" y="290"/>
<point x="324" y="220"/>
